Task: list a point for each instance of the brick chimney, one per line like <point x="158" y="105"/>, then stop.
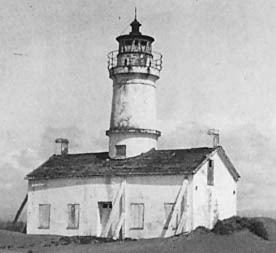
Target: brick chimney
<point x="61" y="146"/>
<point x="215" y="134"/>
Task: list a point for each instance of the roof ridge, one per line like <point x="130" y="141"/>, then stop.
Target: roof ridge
<point x="87" y="153"/>
<point x="213" y="148"/>
<point x="105" y="152"/>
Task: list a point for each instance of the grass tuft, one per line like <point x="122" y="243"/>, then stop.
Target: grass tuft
<point x="236" y="223"/>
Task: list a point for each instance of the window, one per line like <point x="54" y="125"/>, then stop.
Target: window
<point x="73" y="216"/>
<point x="143" y="45"/>
<point x="168" y="212"/>
<point x="137" y="215"/>
<point x="120" y="150"/>
<point x="105" y="209"/>
<point x="136" y="45"/>
<point x="210" y="172"/>
<point x="128" y="42"/>
<point x="106" y="205"/>
<point x="44" y="216"/>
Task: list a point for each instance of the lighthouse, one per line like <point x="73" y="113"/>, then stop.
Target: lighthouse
<point x="132" y="190"/>
<point x="134" y="69"/>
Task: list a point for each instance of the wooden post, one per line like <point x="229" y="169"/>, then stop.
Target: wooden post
<point x="183" y="216"/>
<point x="115" y="208"/>
<point x="119" y="226"/>
<point x="20" y="209"/>
<point x="175" y="208"/>
<point x="123" y="226"/>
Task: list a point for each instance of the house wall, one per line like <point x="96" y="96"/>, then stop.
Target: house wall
<point x="59" y="193"/>
<point x="153" y="191"/>
<point x="205" y="204"/>
<point x="201" y="193"/>
<point x="225" y="190"/>
<point x="219" y="201"/>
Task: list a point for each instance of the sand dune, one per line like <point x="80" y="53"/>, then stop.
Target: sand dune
<point x="199" y="241"/>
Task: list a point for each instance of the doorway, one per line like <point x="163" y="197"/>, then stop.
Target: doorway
<point x="104" y="211"/>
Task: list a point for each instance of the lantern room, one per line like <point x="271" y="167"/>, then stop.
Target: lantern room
<point x="135" y="50"/>
<point x="135" y="41"/>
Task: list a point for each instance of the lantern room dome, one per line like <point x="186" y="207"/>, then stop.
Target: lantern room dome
<point x="135" y="33"/>
<point x="135" y="26"/>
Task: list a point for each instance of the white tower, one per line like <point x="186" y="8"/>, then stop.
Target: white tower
<point x="134" y="69"/>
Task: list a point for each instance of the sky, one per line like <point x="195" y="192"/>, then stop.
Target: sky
<point x="219" y="61"/>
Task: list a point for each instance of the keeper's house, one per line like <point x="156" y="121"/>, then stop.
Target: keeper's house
<point x="134" y="190"/>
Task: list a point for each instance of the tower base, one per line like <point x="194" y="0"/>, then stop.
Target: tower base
<point x="131" y="142"/>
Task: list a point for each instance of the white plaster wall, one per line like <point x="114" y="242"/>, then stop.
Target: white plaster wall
<point x="225" y="186"/>
<point x="213" y="202"/>
<point x="59" y="193"/>
<point x="133" y="103"/>
<point x="201" y="193"/>
<point x="135" y="143"/>
<point x="153" y="191"/>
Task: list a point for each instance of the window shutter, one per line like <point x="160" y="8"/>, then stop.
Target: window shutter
<point x="210" y="172"/>
<point x="44" y="216"/>
<point x="73" y="215"/>
<point x="137" y="215"/>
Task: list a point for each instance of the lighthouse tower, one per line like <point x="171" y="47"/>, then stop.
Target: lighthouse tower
<point x="134" y="69"/>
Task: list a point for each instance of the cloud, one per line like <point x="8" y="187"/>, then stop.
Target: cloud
<point x="190" y="134"/>
<point x="254" y="155"/>
<point x="20" y="162"/>
<point x="25" y="159"/>
<point x="13" y="188"/>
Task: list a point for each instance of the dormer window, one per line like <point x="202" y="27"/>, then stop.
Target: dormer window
<point x="120" y="150"/>
<point x="210" y="172"/>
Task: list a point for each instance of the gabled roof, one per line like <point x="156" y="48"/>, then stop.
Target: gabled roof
<point x="154" y="162"/>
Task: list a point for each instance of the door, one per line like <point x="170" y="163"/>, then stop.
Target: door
<point x="104" y="211"/>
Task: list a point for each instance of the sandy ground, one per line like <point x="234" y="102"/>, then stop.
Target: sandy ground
<point x="239" y="242"/>
<point x="197" y="242"/>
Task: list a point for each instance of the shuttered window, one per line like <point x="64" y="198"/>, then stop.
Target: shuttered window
<point x="168" y="208"/>
<point x="73" y="216"/>
<point x="44" y="216"/>
<point x="210" y="172"/>
<point x="137" y="215"/>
